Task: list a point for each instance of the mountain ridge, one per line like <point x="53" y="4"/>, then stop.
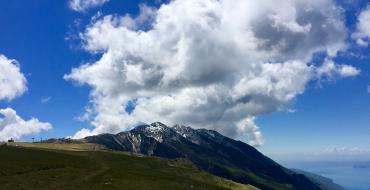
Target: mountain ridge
<point x="208" y="150"/>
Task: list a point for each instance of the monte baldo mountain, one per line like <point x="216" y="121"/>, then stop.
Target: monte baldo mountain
<point x="209" y="151"/>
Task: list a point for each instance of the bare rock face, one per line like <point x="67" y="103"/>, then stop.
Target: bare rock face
<point x="208" y="150"/>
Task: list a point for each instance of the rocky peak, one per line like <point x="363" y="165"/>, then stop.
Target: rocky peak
<point x="182" y="129"/>
<point x="188" y="133"/>
<point x="159" y="125"/>
<point x="156" y="130"/>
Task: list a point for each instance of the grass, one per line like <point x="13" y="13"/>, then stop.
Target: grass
<point x="60" y="146"/>
<point x="69" y="166"/>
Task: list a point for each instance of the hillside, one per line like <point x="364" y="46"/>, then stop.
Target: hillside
<point x="208" y="150"/>
<point x="47" y="166"/>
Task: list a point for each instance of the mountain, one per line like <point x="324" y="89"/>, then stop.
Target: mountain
<point x="209" y="151"/>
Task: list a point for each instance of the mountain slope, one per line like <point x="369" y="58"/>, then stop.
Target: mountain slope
<point x="323" y="182"/>
<point x="209" y="151"/>
<point x="48" y="168"/>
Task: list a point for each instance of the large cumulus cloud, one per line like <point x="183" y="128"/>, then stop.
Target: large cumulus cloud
<point x="213" y="64"/>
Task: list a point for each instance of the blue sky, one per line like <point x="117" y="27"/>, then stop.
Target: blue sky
<point x="43" y="37"/>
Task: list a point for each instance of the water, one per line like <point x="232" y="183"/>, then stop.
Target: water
<point x="350" y="175"/>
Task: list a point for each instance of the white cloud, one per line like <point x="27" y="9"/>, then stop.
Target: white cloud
<point x="13" y="84"/>
<point x="337" y="153"/>
<point x="13" y="126"/>
<point x="331" y="70"/>
<point x="344" y="150"/>
<point x="208" y="64"/>
<point x="45" y="100"/>
<point x="83" y="5"/>
<point x="12" y="81"/>
<point x="82" y="133"/>
<point x="289" y="110"/>
<point x="248" y="126"/>
<point x="362" y="35"/>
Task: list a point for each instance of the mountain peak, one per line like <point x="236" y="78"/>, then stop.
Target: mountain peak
<point x="158" y="124"/>
<point x="156" y="130"/>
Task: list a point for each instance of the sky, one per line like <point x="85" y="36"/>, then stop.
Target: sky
<point x="292" y="80"/>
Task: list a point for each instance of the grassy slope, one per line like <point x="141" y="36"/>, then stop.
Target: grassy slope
<point x="48" y="168"/>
